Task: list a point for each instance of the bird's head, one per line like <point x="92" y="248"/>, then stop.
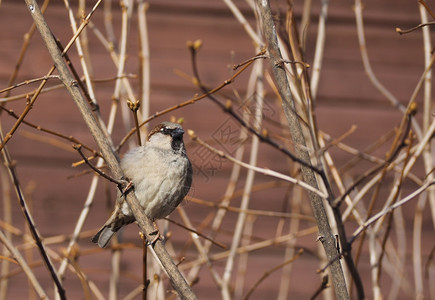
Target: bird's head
<point x="167" y="136"/>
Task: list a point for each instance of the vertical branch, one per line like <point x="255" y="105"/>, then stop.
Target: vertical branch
<point x="108" y="18"/>
<point x="126" y="7"/>
<point x="114" y="275"/>
<point x="202" y="250"/>
<point x="237" y="235"/>
<point x="7" y="218"/>
<point x="400" y="225"/>
<point x="358" y="8"/>
<point x="373" y="263"/>
<point x="428" y="162"/>
<point x="134" y="107"/>
<point x="242" y="20"/>
<point x="308" y="175"/>
<point x="305" y="20"/>
<point x="366" y="60"/>
<point x="224" y="203"/>
<point x="233" y="179"/>
<point x="144" y="58"/>
<point x="294" y="227"/>
<point x="416" y="245"/>
<point x="122" y="84"/>
<point x="427" y="106"/>
<point x="243" y="261"/>
<point x="95" y="179"/>
<point x="29" y="220"/>
<point x="145" y="280"/>
<point x="78" y="43"/>
<point x="320" y="47"/>
<point x="394" y="197"/>
<point x="84" y="37"/>
<point x="81" y="220"/>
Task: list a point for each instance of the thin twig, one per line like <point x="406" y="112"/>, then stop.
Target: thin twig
<point x="52" y="132"/>
<point x="358" y="8"/>
<point x="26" y="110"/>
<point x="24" y="47"/>
<point x="395" y="195"/>
<point x="319" y="52"/>
<point x="264" y="213"/>
<point x="88" y="90"/>
<point x="188" y="102"/>
<point x="22" y="262"/>
<point x="275" y="241"/>
<point x="96" y="170"/>
<point x="416" y="153"/>
<point x="223" y="246"/>
<point x="227" y="107"/>
<point x="404" y="31"/>
<point x="242" y="20"/>
<point x="29" y="220"/>
<point x="28" y="95"/>
<point x="229" y="193"/>
<point x="267" y="172"/>
<point x="29" y="81"/>
<point x="134" y="107"/>
<point x="241" y="223"/>
<point x="30" y="104"/>
<point x="324" y="285"/>
<point x="390" y="209"/>
<point x="267" y="273"/>
<point x="144" y="56"/>
<point x="397" y="147"/>
<point x="426" y="7"/>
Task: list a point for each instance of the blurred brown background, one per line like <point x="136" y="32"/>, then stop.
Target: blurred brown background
<point x="345" y="98"/>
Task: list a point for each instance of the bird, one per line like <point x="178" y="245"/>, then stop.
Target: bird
<point x="161" y="175"/>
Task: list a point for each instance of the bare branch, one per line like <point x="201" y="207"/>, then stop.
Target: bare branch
<point x="106" y="148"/>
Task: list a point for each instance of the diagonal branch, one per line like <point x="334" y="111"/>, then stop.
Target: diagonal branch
<point x="308" y="174"/>
<point x="107" y="149"/>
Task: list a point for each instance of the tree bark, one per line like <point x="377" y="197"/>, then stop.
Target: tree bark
<point x="279" y="73"/>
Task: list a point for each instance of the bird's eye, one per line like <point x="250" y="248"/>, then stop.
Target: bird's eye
<point x="165" y="130"/>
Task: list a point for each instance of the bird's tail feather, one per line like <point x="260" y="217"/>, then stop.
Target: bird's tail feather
<point x="103" y="236"/>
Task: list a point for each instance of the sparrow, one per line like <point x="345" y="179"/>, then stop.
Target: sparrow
<point x="161" y="175"/>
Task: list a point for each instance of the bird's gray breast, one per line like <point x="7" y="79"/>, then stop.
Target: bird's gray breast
<point x="161" y="179"/>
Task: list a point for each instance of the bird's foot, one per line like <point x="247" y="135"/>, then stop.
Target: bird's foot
<point x="157" y="234"/>
<point x="128" y="186"/>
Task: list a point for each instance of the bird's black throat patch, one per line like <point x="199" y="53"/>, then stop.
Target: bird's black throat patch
<point x="176" y="144"/>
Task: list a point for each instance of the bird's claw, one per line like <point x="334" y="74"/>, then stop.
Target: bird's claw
<point x="157" y="234"/>
<point x="157" y="237"/>
<point x="128" y="186"/>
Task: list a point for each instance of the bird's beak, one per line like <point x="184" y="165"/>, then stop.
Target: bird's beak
<point x="177" y="133"/>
